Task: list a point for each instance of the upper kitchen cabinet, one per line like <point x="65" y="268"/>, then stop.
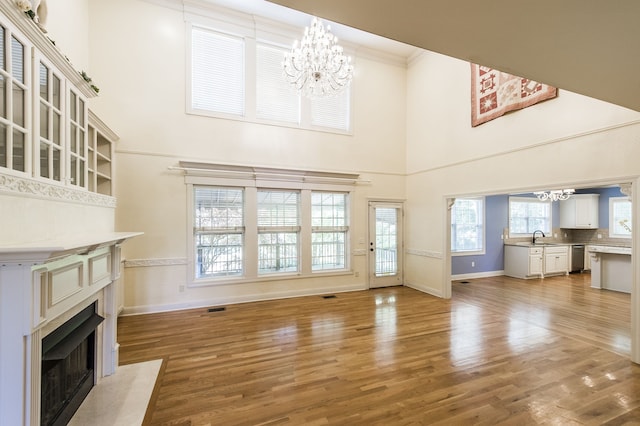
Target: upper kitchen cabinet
<point x="580" y="211"/>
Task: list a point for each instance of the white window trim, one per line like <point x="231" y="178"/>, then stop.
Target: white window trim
<point x="530" y="200"/>
<point x="252" y="179"/>
<point x="484" y="231"/>
<point x="612" y="201"/>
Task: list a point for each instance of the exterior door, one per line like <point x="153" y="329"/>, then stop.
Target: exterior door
<point x="385" y="244"/>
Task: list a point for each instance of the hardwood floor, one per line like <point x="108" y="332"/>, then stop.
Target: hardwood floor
<point x="501" y="351"/>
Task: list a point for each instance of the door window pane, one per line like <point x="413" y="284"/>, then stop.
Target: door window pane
<point x="386" y="241"/>
<point x="18" y="150"/>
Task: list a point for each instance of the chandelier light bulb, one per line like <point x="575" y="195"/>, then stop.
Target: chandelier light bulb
<point x="317" y="66"/>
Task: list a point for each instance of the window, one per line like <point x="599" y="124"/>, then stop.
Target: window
<point x="275" y="99"/>
<point x="529" y="214"/>
<point x="218" y="231"/>
<point x="467" y="226"/>
<point x="257" y="231"/>
<point x="329" y="230"/>
<point x="217" y="72"/>
<point x="620" y="217"/>
<point x="233" y="75"/>
<point x="278" y="231"/>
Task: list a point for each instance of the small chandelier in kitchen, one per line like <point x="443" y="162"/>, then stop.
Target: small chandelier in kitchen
<point x="559" y="194"/>
<point x="317" y="67"/>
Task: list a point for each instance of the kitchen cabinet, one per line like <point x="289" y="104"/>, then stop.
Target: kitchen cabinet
<point x="556" y="260"/>
<point x="580" y="211"/>
<point x="521" y="261"/>
<point x="529" y="261"/>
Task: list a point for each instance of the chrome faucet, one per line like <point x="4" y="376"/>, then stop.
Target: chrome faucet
<point x="533" y="238"/>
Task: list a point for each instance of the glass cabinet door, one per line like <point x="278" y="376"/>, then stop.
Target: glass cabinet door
<point x="50" y="129"/>
<point x="77" y="139"/>
<point x="14" y="101"/>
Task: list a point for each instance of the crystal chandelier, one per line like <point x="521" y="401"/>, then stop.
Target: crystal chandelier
<point x="318" y="67"/>
<point x="559" y="194"/>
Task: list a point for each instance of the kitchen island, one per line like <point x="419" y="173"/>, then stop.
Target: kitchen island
<point x="611" y="267"/>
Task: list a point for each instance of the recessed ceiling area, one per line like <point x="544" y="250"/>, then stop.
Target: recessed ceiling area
<point x="588" y="48"/>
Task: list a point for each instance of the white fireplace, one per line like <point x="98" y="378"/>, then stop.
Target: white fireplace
<point x="42" y="287"/>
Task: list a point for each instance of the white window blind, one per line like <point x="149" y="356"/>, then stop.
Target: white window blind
<point x="333" y="112"/>
<point x="278" y="231"/>
<point x="217" y="72"/>
<point x="275" y="98"/>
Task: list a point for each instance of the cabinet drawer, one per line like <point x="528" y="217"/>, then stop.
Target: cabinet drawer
<point x="535" y="250"/>
<point x="556" y="250"/>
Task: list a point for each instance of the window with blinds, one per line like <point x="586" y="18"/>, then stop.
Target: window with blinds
<point x="467" y="225"/>
<point x="217" y="72"/>
<point x="329" y="227"/>
<point x="221" y="84"/>
<point x="620" y="216"/>
<point x="218" y="231"/>
<point x="278" y="231"/>
<point x="275" y="98"/>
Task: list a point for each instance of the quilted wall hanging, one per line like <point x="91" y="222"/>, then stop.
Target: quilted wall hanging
<point x="494" y="93"/>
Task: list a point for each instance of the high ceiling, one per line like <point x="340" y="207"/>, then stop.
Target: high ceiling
<point x="589" y="47"/>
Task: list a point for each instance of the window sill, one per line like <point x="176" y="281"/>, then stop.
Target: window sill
<point x="468" y="253"/>
<point x="212" y="282"/>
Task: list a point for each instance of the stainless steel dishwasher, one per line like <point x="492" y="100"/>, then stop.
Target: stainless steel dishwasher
<point x="577" y="258"/>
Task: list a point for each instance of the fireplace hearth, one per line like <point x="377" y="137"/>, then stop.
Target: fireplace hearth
<point x="68" y="366"/>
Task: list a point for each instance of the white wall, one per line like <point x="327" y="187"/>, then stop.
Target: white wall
<point x="569" y="141"/>
<point x="140" y="69"/>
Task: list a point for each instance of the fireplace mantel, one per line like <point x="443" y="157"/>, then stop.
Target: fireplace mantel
<point x="43" y="284"/>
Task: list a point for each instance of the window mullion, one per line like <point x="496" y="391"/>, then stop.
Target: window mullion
<point x="305" y="231"/>
<point x="251" y="233"/>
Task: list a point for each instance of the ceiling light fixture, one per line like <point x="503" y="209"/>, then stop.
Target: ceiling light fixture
<point x="560" y="194"/>
<point x="317" y="67"/>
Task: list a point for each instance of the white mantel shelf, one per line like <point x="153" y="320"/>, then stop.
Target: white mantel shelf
<point x="47" y="250"/>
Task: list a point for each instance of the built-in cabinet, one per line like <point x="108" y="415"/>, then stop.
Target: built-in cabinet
<point x="47" y="132"/>
<point x="528" y="261"/>
<point x="580" y="211"/>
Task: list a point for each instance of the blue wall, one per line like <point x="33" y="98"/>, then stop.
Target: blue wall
<point x="497" y="218"/>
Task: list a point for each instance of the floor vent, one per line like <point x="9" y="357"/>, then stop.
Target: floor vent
<point x="220" y="309"/>
<point x="465" y="282"/>
<point x="330" y="296"/>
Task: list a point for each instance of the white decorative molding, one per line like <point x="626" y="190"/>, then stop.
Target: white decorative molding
<point x="626" y="189"/>
<point x="359" y="252"/>
<point x="142" y="263"/>
<point x="425" y="253"/>
<point x="29" y="187"/>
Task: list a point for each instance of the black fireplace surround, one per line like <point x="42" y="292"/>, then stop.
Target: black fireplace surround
<point x="68" y="364"/>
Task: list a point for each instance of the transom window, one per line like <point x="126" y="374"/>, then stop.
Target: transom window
<point x="467" y="226"/>
<point x="234" y="75"/>
<point x="620" y="215"/>
<point x="529" y="214"/>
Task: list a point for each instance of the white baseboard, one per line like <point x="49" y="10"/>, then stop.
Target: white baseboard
<point x="476" y="275"/>
<point x="428" y="290"/>
<point x="194" y="304"/>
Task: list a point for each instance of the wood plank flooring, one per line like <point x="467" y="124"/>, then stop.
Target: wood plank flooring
<point x="501" y="351"/>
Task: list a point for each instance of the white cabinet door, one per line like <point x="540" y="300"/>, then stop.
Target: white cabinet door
<point x="535" y="264"/>
<point x="580" y="211"/>
<point x="556" y="260"/>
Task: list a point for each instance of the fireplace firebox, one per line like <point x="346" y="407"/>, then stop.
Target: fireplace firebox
<point x="68" y="366"/>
